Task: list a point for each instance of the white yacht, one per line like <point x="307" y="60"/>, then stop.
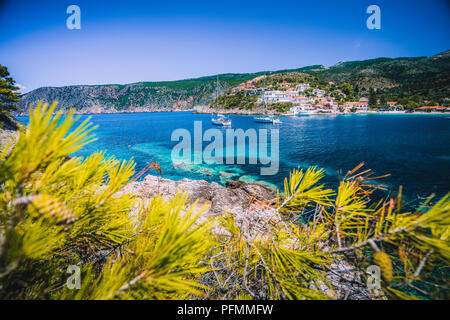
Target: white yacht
<point x="263" y="119"/>
<point x="221" y="120"/>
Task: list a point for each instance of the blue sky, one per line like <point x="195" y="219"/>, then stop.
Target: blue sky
<point x="131" y="41"/>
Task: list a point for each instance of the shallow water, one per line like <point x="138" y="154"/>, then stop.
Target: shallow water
<point x="414" y="149"/>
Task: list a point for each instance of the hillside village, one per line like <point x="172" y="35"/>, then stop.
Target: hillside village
<point x="303" y="96"/>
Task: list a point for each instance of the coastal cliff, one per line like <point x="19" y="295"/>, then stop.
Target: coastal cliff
<point x="117" y="98"/>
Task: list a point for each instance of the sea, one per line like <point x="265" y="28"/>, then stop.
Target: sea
<point x="413" y="149"/>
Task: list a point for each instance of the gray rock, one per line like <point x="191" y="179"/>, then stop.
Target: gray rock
<point x="234" y="197"/>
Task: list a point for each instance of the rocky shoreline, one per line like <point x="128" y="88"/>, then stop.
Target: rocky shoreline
<point x="7" y="136"/>
<point x="100" y="110"/>
<point x="235" y="111"/>
<point x="203" y="109"/>
<point x="236" y="196"/>
<point x="8" y="130"/>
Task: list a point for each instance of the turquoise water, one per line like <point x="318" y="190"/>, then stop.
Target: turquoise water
<point x="414" y="149"/>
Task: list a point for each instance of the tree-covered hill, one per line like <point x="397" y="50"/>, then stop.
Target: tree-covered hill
<point x="425" y="76"/>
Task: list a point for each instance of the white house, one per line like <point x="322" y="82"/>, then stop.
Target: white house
<point x="319" y="93"/>
<point x="302" y="108"/>
<point x="359" y="106"/>
<point x="302" y="87"/>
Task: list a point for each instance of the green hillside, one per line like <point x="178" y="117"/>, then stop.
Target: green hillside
<point x="401" y="77"/>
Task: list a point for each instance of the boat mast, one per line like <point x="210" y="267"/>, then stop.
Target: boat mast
<point x="264" y="94"/>
<point x="217" y="97"/>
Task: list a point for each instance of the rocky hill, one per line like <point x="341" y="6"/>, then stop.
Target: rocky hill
<point x="135" y="97"/>
<point x="426" y="76"/>
<point x="120" y="98"/>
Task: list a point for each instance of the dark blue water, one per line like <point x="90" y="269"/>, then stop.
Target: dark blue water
<point x="414" y="149"/>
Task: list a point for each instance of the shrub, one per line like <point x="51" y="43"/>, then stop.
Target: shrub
<point x="311" y="242"/>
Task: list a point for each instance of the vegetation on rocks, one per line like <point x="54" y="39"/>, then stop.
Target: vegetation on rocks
<point x="238" y="101"/>
<point x="309" y="242"/>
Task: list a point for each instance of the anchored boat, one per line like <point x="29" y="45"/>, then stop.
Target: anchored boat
<point x="263" y="119"/>
<point x="221" y="120"/>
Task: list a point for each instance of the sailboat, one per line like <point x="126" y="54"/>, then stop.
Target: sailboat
<point x="219" y="119"/>
<point x="265" y="118"/>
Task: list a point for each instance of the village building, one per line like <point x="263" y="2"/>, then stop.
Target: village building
<point x="319" y="93"/>
<point x="432" y="108"/>
<point x="302" y="108"/>
<point x="285" y="85"/>
<point x="359" y="106"/>
<point x="303" y="86"/>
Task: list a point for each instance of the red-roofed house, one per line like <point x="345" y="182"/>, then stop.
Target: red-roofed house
<point x="432" y="108"/>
